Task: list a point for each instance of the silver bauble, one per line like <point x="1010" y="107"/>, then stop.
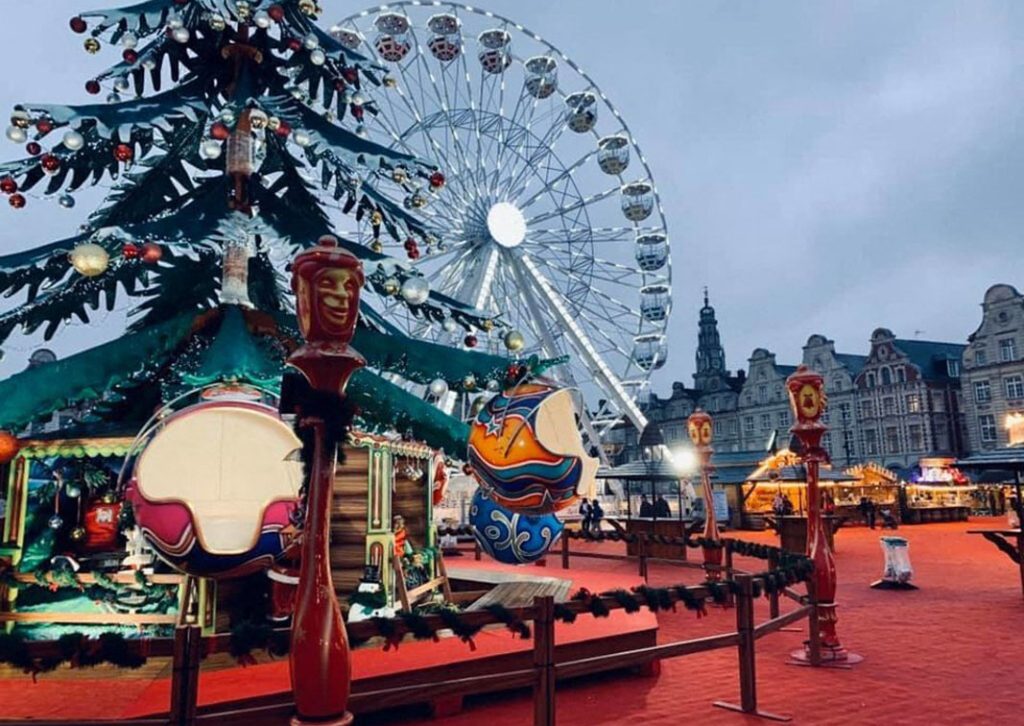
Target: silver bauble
<point x="16" y="134"/>
<point x="415" y="290"/>
<point x="438" y="387"/>
<point x="73" y="141"/>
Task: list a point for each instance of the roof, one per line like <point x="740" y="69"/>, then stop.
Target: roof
<point x="1010" y="458"/>
<point x="852" y="362"/>
<point x="931" y="356"/>
<point x="656" y="470"/>
<point x="799" y="473"/>
<point x="786" y="370"/>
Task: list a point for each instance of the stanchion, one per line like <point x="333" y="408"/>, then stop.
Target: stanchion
<point x="565" y="552"/>
<point x="185" y="675"/>
<point x="747" y="655"/>
<point x="544" y="661"/>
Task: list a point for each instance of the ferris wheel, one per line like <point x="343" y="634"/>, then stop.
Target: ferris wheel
<point x="548" y="218"/>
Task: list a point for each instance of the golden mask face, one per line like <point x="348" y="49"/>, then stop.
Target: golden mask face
<point x="335" y="292"/>
<point x="809" y="402"/>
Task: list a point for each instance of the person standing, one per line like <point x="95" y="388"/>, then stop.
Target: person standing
<point x="646" y="508"/>
<point x="596" y="515"/>
<point x="661" y="508"/>
<point x="586" y="513"/>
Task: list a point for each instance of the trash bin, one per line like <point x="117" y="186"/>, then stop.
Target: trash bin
<point x="897" y="572"/>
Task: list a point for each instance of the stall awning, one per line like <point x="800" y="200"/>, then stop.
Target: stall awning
<point x="799" y="474"/>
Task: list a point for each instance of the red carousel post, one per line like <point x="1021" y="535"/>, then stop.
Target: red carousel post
<point x="808" y="399"/>
<point x="701" y="432"/>
<point x="326" y="281"/>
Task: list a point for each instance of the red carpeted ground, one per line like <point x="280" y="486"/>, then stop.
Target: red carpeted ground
<point x="945" y="654"/>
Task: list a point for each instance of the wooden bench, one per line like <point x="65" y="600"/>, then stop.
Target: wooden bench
<point x="410" y="598"/>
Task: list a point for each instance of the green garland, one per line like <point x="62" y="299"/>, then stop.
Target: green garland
<point x="73" y="648"/>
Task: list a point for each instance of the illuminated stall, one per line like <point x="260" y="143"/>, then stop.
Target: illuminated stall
<point x="941" y="493"/>
<point x="872" y="481"/>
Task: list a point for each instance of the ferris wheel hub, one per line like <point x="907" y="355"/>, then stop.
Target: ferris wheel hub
<point x="506" y="224"/>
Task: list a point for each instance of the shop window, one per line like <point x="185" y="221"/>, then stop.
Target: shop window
<point x="1015" y="387"/>
<point x="987" y="424"/>
<point x="982" y="392"/>
<point x="1007" y="350"/>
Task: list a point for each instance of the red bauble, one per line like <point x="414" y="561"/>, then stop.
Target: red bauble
<point x="33" y="148"/>
<point x="8" y="185"/>
<point x="152" y="252"/>
<point x="49" y="162"/>
<point x="283" y="129"/>
<point x="409" y="243"/>
<point x="130" y="56"/>
<point x="357" y="112"/>
<point x="130" y="251"/>
<point x="467" y="469"/>
<point x="350" y="74"/>
<point x="17" y="201"/>
<point x="78" y="24"/>
<point x="44" y="126"/>
<point x="220" y="131"/>
<point x="436" y="180"/>
<point x="8" y="446"/>
<point x="123" y="152"/>
<point x="294" y="44"/>
<point x="93" y="87"/>
<point x="276" y="13"/>
<point x="470" y="341"/>
<point x="340" y="84"/>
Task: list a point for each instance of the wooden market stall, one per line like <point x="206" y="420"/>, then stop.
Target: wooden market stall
<point x="942" y="493"/>
<point x="872" y="481"/>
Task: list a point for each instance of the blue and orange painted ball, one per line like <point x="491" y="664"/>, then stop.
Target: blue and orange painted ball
<point x="510" y="537"/>
<point x="526" y="451"/>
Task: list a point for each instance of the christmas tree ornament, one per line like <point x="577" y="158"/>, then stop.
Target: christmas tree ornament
<point x="89" y="259"/>
<point x="493" y="386"/>
<point x="8" y="185"/>
<point x="438" y="387"/>
<point x="514" y="341"/>
<point x="390" y="82"/>
<point x="243" y="10"/>
<point x="122" y="84"/>
<point x="91" y="45"/>
<point x="211" y="149"/>
<point x="217" y="22"/>
<point x="174" y="22"/>
<point x="415" y="290"/>
<point x="34" y="148"/>
<point x="258" y="119"/>
<point x="123" y="153"/>
<point x="129" y="40"/>
<point x="44" y="126"/>
<point x="77" y="534"/>
<point x="73" y="490"/>
<point x="311" y="41"/>
<point x="8" y="446"/>
<point x="308" y="8"/>
<point x="130" y="251"/>
<point x="418" y="201"/>
<point x="220" y="131"/>
<point x="50" y="163"/>
<point x="317" y="57"/>
<point x="262" y="19"/>
<point x="512" y="538"/>
<point x="470" y="341"/>
<point x="487" y="325"/>
<point x="17" y="134"/>
<point x="78" y="24"/>
<point x="449" y="325"/>
<point x="376" y="246"/>
<point x="358" y="99"/>
<point x="113" y="97"/>
<point x="399" y="175"/>
<point x="392" y="286"/>
<point x="73" y="141"/>
<point x="273" y="123"/>
<point x="17" y="201"/>
<point x="93" y="87"/>
<point x="152" y="253"/>
<point x="284" y="129"/>
<point x="469" y="382"/>
<point x="181" y="35"/>
<point x="21" y="119"/>
<point x="436" y="180"/>
<point x="130" y="56"/>
<point x="302" y="138"/>
<point x="66" y="201"/>
<point x="55" y="522"/>
<point x="109" y="498"/>
<point x="148" y="63"/>
<point x="276" y="12"/>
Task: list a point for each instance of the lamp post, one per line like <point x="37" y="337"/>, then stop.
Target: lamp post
<point x="701" y="430"/>
<point x="326" y="281"/>
<point x="807" y="397"/>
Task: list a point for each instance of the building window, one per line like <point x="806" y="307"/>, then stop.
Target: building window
<point x="766" y="421"/>
<point x="980" y="357"/>
<point x="870" y="380"/>
<point x="870" y="442"/>
<point x="982" y="392"/>
<point x="916" y="436"/>
<point x="886" y="377"/>
<point x="837" y="384"/>
<point x="901" y="375"/>
<point x="718" y="427"/>
<point x="867" y="409"/>
<point x="762" y="393"/>
<point x="913" y="403"/>
<point x="826" y="441"/>
<point x="748" y="425"/>
<point x="733" y="426"/>
<point x="1014" y="387"/>
<point x="987" y="424"/>
<point x="953" y="368"/>
<point x="889" y="405"/>
<point x="782" y="419"/>
<point x="892" y="440"/>
<point x="1007" y="350"/>
<point x="848" y="451"/>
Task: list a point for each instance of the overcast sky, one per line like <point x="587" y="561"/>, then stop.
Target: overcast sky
<point x="826" y="167"/>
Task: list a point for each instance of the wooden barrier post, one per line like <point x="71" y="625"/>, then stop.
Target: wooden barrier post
<point x="642" y="549"/>
<point x="565" y="551"/>
<point x="773" y="597"/>
<point x="185" y="675"/>
<point x="544" y="661"/>
<point x="729" y="575"/>
<point x="747" y="654"/>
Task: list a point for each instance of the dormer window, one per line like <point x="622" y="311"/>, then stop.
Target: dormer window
<point x="953" y="368"/>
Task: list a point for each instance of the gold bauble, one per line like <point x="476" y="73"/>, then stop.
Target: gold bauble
<point x="376" y="219"/>
<point x="77" y="534"/>
<point x="392" y="286"/>
<point x="308" y="7"/>
<point x="91" y="45"/>
<point x="399" y="175"/>
<point x="390" y="82"/>
<point x="109" y="498"/>
<point x="89" y="259"/>
<point x="487" y="325"/>
<point x="376" y="246"/>
<point x="514" y="341"/>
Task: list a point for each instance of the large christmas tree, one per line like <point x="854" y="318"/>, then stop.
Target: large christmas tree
<point x="231" y="129"/>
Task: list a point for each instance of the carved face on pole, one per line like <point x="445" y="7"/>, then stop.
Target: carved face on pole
<point x="807" y="395"/>
<point x="326" y="281"/>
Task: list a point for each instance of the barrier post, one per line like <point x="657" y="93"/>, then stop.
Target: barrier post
<point x="565" y="551"/>
<point x="773" y="597"/>
<point x="642" y="548"/>
<point x="729" y="575"/>
<point x="544" y="661"/>
<point x="747" y="654"/>
<point x="185" y="675"/>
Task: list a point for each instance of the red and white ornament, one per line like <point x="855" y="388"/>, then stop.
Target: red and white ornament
<point x="124" y="153"/>
<point x="152" y="252"/>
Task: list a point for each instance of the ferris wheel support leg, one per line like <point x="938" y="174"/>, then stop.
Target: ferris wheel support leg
<point x="603" y="375"/>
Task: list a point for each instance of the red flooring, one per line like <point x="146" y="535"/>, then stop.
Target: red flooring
<point x="945" y="654"/>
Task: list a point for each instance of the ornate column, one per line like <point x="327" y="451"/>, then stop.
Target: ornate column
<point x="808" y="399"/>
<point x="326" y="282"/>
<point x="701" y="432"/>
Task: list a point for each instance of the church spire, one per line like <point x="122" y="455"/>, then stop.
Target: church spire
<point x="710" y="353"/>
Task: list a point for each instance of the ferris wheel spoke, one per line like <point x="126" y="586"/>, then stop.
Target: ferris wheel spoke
<point x="562" y="176"/>
<point x="592" y="289"/>
<point x="592" y="199"/>
<point x="544" y="148"/>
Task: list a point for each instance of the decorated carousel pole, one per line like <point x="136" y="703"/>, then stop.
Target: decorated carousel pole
<point x="807" y="397"/>
<point x="701" y="432"/>
<point x="326" y="281"/>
